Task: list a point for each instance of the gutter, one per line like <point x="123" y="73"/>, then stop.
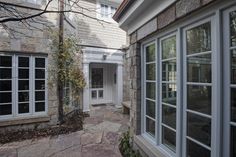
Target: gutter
<point x="125" y="5"/>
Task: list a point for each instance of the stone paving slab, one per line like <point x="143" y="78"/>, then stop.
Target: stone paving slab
<point x="100" y="138"/>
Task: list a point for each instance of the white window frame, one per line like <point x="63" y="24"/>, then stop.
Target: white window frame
<point x="110" y="6"/>
<point x="32" y="113"/>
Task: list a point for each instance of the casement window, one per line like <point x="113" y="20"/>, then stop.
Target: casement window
<point x="23" y="88"/>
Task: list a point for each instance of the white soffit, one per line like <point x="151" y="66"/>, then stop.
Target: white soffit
<point x="141" y="12"/>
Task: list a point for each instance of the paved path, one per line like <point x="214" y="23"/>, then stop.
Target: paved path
<point x="98" y="139"/>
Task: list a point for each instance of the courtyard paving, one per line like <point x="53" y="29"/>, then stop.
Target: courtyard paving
<point x="99" y="138"/>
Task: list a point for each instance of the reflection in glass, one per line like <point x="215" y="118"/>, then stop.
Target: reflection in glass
<point x="233" y="66"/>
<point x="150" y="53"/>
<point x="233" y="142"/>
<point x="169" y="116"/>
<point x="199" y="39"/>
<point x="23" y="96"/>
<point x="169" y="48"/>
<point x="151" y="90"/>
<point x="39" y="106"/>
<point x="169" y="92"/>
<point x="169" y="138"/>
<point x="199" y="98"/>
<point x="5" y="109"/>
<point x="199" y="68"/>
<point x="199" y="128"/>
<point x="233" y="28"/>
<point x="97" y="77"/>
<point x="150" y="108"/>
<point x="5" y="61"/>
<point x="195" y="150"/>
<point x="150" y="127"/>
<point x="5" y="85"/>
<point x="100" y="93"/>
<point x="150" y="71"/>
<point x="169" y="70"/>
<point x="233" y="104"/>
<point x="23" y="108"/>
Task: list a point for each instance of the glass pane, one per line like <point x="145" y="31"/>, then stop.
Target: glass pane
<point x="97" y="77"/>
<point x="199" y="39"/>
<point x="169" y="138"/>
<point x="39" y="73"/>
<point x="199" y="98"/>
<point x="233" y="28"/>
<point x="151" y="90"/>
<point x="150" y="71"/>
<point x="100" y="93"/>
<point x="150" y="53"/>
<point x="5" y="85"/>
<point x="199" y="128"/>
<point x="5" y="61"/>
<point x="150" y="127"/>
<point x="23" y="108"/>
<point x="23" y="73"/>
<point x="169" y="92"/>
<point x="233" y="66"/>
<point x="39" y="84"/>
<point x="94" y="94"/>
<point x="23" y="62"/>
<point x="23" y="96"/>
<point x="169" y="71"/>
<point x="150" y="109"/>
<point x="195" y="150"/>
<point x="169" y="116"/>
<point x="199" y="68"/>
<point x="23" y="84"/>
<point x="233" y="141"/>
<point x="5" y="97"/>
<point x="5" y="109"/>
<point x="169" y="48"/>
<point x="40" y="107"/>
<point x="39" y="96"/>
<point x="233" y="104"/>
<point x="5" y="73"/>
<point x="40" y="62"/>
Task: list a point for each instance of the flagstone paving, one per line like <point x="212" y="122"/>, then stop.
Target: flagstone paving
<point x="99" y="138"/>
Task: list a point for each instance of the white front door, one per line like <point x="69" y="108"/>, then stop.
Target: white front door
<point x="97" y="85"/>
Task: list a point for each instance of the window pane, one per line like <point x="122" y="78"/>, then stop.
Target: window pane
<point x="5" y="97"/>
<point x="39" y="73"/>
<point x="199" y="128"/>
<point x="233" y="141"/>
<point x="199" y="98"/>
<point x="233" y="66"/>
<point x="39" y="106"/>
<point x="195" y="150"/>
<point x="151" y="90"/>
<point x="150" y="127"/>
<point x="169" y="71"/>
<point x="5" y="73"/>
<point x="23" y="62"/>
<point x="5" y="109"/>
<point x="169" y="48"/>
<point x="199" y="68"/>
<point x="169" y="138"/>
<point x="39" y="84"/>
<point x="23" y="73"/>
<point x="23" y="96"/>
<point x="39" y="96"/>
<point x="94" y="94"/>
<point x="97" y="77"/>
<point x="233" y="104"/>
<point x="23" y="108"/>
<point x="100" y="93"/>
<point x="40" y="62"/>
<point x="150" y="109"/>
<point x="23" y="84"/>
<point x="150" y="71"/>
<point x="169" y="116"/>
<point x="150" y="53"/>
<point x="169" y="92"/>
<point x="5" y="61"/>
<point x="233" y="28"/>
<point x="199" y="39"/>
<point x="5" y="85"/>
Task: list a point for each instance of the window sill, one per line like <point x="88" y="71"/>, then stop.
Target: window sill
<point x="148" y="148"/>
<point x="27" y="120"/>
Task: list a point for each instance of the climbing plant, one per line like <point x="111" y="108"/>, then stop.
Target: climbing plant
<point x="66" y="67"/>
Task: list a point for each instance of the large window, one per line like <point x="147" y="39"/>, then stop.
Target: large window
<point x="22" y="85"/>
